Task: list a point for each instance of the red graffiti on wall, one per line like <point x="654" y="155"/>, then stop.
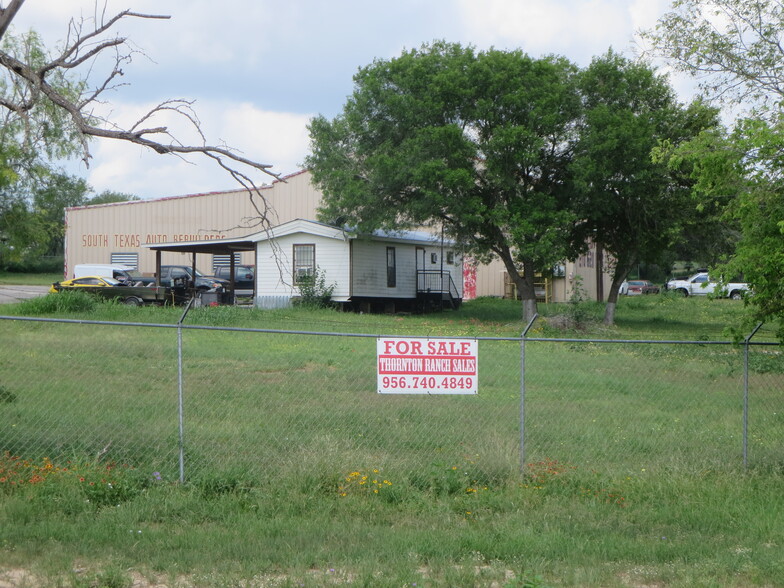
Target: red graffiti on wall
<point x="469" y="279"/>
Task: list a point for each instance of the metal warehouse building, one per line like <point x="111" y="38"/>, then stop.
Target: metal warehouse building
<point x="121" y="233"/>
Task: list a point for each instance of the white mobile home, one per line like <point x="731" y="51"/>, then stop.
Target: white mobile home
<point x="403" y="270"/>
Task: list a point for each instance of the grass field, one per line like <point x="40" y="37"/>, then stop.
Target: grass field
<point x="298" y="474"/>
<point x="14" y="278"/>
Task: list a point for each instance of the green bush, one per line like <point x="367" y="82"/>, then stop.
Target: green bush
<point x="314" y="292"/>
<point x="37" y="265"/>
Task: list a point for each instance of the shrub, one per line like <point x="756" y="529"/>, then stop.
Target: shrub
<point x="38" y="265"/>
<point x="314" y="292"/>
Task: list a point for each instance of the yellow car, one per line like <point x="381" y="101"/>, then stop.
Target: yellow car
<point x="85" y="282"/>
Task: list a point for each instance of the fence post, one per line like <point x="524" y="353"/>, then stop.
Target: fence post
<point x="179" y="391"/>
<point x="522" y="392"/>
<point x="746" y="396"/>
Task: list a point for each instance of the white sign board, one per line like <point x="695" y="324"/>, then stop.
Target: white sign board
<point x="427" y="366"/>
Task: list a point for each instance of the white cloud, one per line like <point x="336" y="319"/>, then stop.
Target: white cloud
<point x="279" y="138"/>
<point x="275" y="138"/>
<point x="578" y="29"/>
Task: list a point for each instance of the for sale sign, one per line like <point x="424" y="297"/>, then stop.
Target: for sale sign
<point x="427" y="366"/>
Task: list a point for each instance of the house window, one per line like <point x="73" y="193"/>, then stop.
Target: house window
<point x="434" y="258"/>
<point x="450" y="257"/>
<point x="391" y="268"/>
<point x="304" y="262"/>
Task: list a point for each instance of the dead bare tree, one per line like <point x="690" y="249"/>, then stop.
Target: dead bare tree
<point x="87" y="40"/>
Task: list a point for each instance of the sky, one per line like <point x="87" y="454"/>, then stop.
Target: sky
<point x="259" y="70"/>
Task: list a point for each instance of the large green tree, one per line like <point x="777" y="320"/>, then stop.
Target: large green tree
<point x="32" y="133"/>
<point x="478" y="143"/>
<point x="629" y="203"/>
<point x="22" y="235"/>
<point x="741" y="177"/>
<point x="736" y="49"/>
<point x="51" y="197"/>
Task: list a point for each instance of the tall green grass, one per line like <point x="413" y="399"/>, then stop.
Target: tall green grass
<point x="282" y="430"/>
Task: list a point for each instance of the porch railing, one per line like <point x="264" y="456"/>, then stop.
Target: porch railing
<point x="437" y="282"/>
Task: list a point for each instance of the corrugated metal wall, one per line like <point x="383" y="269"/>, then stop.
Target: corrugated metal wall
<point x="94" y="233"/>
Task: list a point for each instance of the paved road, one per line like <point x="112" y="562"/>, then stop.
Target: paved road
<point x="19" y="293"/>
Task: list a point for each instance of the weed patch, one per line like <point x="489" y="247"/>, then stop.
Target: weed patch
<point x="96" y="485"/>
<point x="65" y="302"/>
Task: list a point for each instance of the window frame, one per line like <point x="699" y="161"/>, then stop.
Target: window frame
<point x="391" y="267"/>
<point x="296" y="265"/>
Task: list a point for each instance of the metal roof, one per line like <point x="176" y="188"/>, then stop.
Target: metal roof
<point x="248" y="243"/>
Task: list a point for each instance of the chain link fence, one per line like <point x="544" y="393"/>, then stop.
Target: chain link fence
<point x="193" y="402"/>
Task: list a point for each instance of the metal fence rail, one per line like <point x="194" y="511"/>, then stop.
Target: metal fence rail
<point x="190" y="401"/>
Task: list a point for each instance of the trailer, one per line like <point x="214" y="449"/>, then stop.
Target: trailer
<point x="111" y="289"/>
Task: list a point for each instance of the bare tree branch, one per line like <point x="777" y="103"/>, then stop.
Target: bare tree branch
<point x="8" y="14"/>
<point x="83" y="46"/>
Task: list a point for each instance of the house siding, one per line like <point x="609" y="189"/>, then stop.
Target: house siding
<point x="369" y="278"/>
<point x="274" y="277"/>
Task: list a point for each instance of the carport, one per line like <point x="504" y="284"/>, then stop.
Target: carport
<point x="211" y="247"/>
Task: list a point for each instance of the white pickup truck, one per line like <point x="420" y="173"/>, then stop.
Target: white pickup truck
<point x="700" y="284"/>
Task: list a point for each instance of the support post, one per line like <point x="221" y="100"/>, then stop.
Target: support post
<point x="746" y="396"/>
<point x="180" y="396"/>
<point x="522" y="391"/>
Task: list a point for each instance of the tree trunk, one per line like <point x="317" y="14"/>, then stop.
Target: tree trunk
<point x="524" y="283"/>
<point x="529" y="310"/>
<point x="612" y="299"/>
<point x="7" y="15"/>
<point x="609" y="311"/>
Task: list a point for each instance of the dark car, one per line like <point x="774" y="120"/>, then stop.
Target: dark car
<point x="243" y="276"/>
<point x="637" y="287"/>
<point x="182" y="275"/>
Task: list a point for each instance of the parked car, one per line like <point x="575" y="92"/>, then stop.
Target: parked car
<point x="243" y="276"/>
<point x="639" y="287"/>
<point x="85" y="282"/>
<point x="701" y="284"/>
<point x="182" y="275"/>
<point x="123" y="273"/>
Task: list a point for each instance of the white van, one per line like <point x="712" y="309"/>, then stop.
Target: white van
<point x="123" y="273"/>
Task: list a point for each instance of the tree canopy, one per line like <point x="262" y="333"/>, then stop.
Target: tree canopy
<point x="735" y="48"/>
<point x="521" y="158"/>
<point x="629" y="202"/>
<point x="478" y="143"/>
